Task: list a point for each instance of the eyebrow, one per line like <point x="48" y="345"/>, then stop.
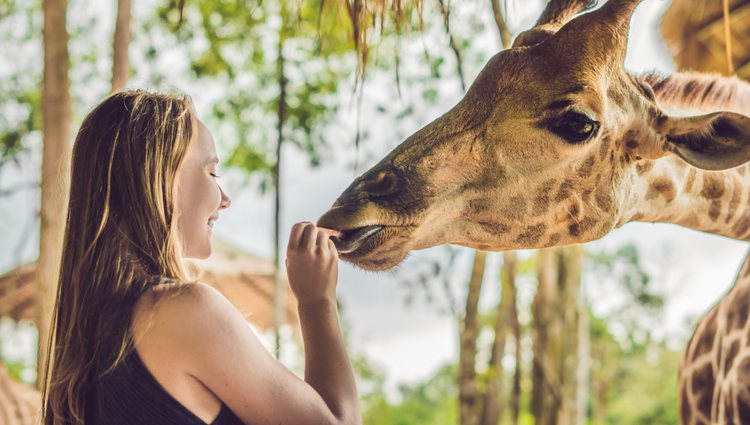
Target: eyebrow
<point x="212" y="160"/>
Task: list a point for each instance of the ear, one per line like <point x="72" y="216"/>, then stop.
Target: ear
<point x="716" y="141"/>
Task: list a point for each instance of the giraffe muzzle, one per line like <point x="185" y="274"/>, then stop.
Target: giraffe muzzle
<point x="352" y="240"/>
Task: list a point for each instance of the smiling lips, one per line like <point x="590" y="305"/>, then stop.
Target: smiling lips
<point x="212" y="220"/>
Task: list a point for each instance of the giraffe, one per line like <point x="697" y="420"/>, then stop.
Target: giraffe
<point x="556" y="144"/>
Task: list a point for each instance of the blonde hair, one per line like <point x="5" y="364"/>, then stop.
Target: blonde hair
<point x="120" y="235"/>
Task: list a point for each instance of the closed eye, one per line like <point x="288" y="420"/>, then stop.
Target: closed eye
<point x="215" y="175"/>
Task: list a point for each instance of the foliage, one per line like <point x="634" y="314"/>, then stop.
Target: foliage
<point x="432" y="402"/>
<point x="238" y="45"/>
<point x="20" y="97"/>
<point x="633" y="374"/>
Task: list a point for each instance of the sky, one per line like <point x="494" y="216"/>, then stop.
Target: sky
<point x="410" y="342"/>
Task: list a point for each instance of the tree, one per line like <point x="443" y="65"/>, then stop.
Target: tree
<point x="121" y="41"/>
<point x="56" y="118"/>
<point x="467" y="382"/>
<point x="506" y="316"/>
<point x="560" y="366"/>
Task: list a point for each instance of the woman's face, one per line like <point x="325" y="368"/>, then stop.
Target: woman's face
<point x="199" y="197"/>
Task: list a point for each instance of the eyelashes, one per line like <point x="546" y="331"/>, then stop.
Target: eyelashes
<point x="214" y="175"/>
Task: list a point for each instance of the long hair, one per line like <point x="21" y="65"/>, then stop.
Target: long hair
<point x="120" y="234"/>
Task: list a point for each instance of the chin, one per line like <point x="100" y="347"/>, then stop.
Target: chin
<point x="198" y="254"/>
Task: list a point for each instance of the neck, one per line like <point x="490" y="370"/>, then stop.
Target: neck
<point x="669" y="190"/>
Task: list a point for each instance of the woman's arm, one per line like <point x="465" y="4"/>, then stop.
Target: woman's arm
<point x="312" y="264"/>
<point x="215" y="344"/>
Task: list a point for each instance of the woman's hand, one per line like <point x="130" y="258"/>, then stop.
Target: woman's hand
<point x="312" y="264"/>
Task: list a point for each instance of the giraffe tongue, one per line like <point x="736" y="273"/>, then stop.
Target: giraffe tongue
<point x="331" y="232"/>
<point x="350" y="241"/>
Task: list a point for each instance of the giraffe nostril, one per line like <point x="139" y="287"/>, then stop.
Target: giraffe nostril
<point x="379" y="184"/>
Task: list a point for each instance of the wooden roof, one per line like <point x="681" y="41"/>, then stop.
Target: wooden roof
<point x="246" y="280"/>
<point x="694" y="30"/>
<point x="19" y="404"/>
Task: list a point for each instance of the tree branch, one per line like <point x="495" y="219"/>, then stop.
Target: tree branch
<point x="445" y="10"/>
<point x="502" y="27"/>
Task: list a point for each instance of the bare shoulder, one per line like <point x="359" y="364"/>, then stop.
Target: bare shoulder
<point x="181" y="311"/>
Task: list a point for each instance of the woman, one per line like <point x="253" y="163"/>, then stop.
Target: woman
<point x="134" y="340"/>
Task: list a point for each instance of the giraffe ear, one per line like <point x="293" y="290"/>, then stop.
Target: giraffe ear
<point x="717" y="141"/>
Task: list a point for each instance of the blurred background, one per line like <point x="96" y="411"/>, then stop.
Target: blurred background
<point x="302" y="96"/>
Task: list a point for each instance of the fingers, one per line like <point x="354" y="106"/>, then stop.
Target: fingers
<point x="295" y="235"/>
<point x="332" y="248"/>
<point x="309" y="237"/>
<point x="322" y="242"/>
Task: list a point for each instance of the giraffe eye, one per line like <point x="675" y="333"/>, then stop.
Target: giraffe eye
<point x="575" y="127"/>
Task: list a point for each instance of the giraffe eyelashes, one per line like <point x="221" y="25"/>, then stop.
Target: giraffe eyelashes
<point x="575" y="127"/>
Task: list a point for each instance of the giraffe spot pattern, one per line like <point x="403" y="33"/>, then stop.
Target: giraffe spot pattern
<point x="602" y="198"/>
<point x="713" y="187"/>
<point x="740" y="228"/>
<point x="478" y="206"/>
<point x="588" y="165"/>
<point x="494" y="227"/>
<point x="579" y="227"/>
<point x="743" y="402"/>
<point x="734" y="202"/>
<point x="586" y="194"/>
<point x="574" y="210"/>
<point x="662" y="186"/>
<point x="734" y="348"/>
<point x="565" y="190"/>
<point x="541" y="204"/>
<point x="643" y="168"/>
<point x="740" y="306"/>
<point x="702" y="385"/>
<point x="714" y="210"/>
<point x="532" y="234"/>
<point x="704" y="341"/>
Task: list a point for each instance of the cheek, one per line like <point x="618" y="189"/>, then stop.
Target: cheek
<point x="197" y="198"/>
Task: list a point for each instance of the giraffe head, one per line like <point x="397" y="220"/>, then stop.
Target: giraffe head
<point x="540" y="152"/>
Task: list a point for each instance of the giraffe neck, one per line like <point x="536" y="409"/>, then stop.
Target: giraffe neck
<point x="669" y="190"/>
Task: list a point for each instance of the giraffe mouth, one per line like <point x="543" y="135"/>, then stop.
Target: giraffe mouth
<point x="351" y="240"/>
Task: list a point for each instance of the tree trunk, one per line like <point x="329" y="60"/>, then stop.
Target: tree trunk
<point x="56" y="132"/>
<point x="121" y="41"/>
<point x="492" y="405"/>
<point x="467" y="383"/>
<point x="560" y="339"/>
<point x="279" y="292"/>
<point x="515" y="398"/>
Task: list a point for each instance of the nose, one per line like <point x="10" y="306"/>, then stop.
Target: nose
<point x="379" y="183"/>
<point x="225" y="200"/>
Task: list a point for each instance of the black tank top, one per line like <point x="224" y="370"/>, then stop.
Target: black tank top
<point x="130" y="395"/>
